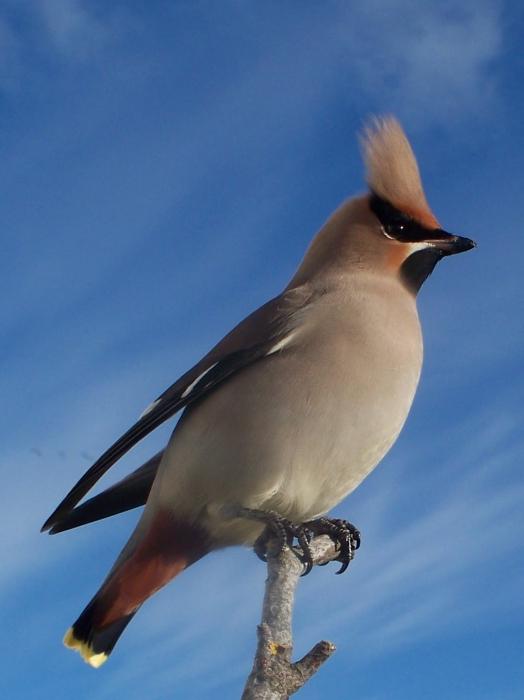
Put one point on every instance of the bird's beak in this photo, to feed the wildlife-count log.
(450, 244)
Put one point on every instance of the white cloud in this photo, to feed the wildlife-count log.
(71, 27)
(435, 60)
(432, 59)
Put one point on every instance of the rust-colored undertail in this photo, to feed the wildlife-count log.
(168, 547)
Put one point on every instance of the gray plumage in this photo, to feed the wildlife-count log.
(292, 409)
(298, 430)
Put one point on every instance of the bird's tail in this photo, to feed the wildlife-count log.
(94, 643)
(166, 549)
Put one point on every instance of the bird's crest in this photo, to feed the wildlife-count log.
(392, 171)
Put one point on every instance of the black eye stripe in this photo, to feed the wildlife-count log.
(395, 223)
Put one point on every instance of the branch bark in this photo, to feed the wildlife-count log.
(274, 676)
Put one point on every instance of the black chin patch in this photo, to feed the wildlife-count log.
(415, 270)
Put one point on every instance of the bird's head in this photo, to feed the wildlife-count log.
(408, 228)
(391, 229)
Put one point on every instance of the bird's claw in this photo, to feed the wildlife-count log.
(286, 533)
(343, 533)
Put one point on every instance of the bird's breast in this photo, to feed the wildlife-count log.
(300, 429)
(359, 372)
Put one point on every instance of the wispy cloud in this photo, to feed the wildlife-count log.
(72, 27)
(408, 56)
(431, 60)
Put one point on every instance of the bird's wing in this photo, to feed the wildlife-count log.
(128, 493)
(262, 333)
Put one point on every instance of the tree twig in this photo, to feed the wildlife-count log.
(274, 676)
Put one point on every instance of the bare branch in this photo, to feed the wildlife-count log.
(274, 676)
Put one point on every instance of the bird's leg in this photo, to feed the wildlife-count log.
(342, 532)
(285, 532)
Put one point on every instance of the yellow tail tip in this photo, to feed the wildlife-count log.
(85, 651)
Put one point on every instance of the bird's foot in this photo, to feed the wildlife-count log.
(345, 535)
(284, 531)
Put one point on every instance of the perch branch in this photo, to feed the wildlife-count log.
(274, 676)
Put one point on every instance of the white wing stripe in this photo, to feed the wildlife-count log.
(193, 384)
(281, 344)
(149, 408)
(278, 346)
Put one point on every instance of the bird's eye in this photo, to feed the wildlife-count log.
(394, 223)
(394, 230)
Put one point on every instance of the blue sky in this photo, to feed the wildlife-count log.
(164, 166)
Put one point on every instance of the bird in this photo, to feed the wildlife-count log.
(289, 412)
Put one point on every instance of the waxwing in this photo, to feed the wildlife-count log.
(290, 411)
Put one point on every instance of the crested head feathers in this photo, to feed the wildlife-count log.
(392, 171)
